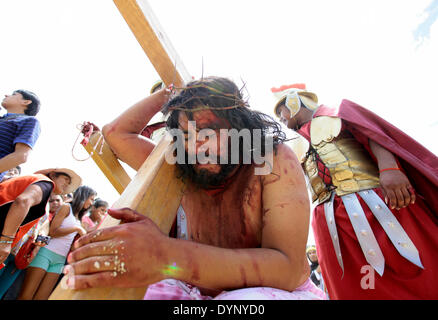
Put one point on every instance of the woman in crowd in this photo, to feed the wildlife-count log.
(45, 269)
(97, 212)
(23, 200)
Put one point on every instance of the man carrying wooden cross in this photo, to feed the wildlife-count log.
(242, 226)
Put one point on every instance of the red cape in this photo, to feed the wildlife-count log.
(420, 165)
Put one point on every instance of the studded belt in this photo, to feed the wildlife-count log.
(365, 235)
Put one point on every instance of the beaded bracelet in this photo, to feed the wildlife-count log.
(380, 171)
(7, 237)
(6, 241)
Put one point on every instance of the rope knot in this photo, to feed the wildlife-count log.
(87, 129)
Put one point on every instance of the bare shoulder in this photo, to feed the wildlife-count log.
(285, 153)
(286, 183)
(284, 162)
(64, 210)
(286, 205)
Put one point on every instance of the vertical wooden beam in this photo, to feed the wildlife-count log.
(155, 192)
(157, 46)
(154, 41)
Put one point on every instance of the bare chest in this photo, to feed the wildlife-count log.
(231, 218)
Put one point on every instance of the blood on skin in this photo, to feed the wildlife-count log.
(277, 177)
(158, 253)
(282, 205)
(243, 276)
(207, 119)
(194, 266)
(112, 128)
(257, 270)
(137, 123)
(290, 159)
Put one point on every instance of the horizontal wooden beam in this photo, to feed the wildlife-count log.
(108, 163)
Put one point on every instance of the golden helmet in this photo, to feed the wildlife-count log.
(292, 96)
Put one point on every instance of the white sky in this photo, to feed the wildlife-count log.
(85, 64)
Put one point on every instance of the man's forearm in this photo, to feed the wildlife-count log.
(219, 268)
(16, 214)
(12, 160)
(123, 134)
(385, 159)
(134, 119)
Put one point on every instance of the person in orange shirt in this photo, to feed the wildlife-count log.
(23, 202)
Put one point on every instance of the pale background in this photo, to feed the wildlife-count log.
(84, 63)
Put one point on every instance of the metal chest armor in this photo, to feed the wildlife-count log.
(352, 173)
(351, 168)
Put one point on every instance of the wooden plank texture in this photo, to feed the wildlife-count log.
(107, 162)
(155, 192)
(154, 41)
(157, 46)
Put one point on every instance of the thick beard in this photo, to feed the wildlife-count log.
(203, 178)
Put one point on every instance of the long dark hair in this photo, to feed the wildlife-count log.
(79, 197)
(225, 100)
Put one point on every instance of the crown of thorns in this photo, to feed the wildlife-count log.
(211, 92)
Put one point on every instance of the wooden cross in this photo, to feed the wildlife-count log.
(154, 191)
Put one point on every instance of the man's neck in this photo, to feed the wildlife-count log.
(309, 116)
(16, 109)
